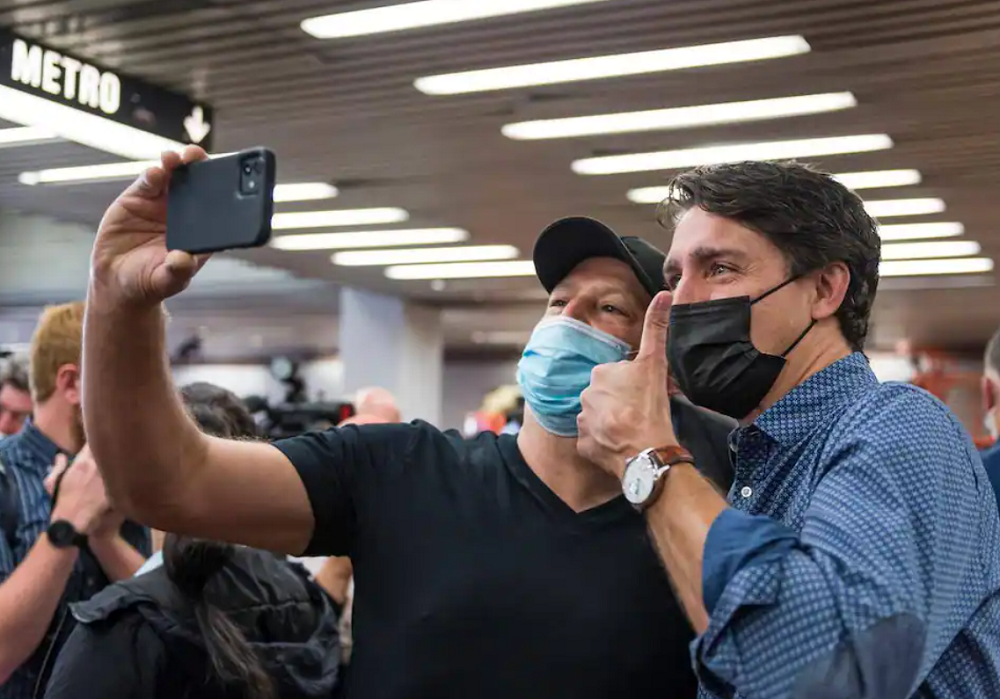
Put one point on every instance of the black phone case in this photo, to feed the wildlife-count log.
(206, 211)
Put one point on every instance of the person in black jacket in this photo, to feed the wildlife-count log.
(215, 620)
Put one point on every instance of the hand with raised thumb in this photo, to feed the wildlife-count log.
(626, 408)
(130, 264)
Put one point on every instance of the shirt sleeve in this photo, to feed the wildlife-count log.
(7, 560)
(341, 468)
(865, 598)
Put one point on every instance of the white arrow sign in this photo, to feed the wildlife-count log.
(196, 126)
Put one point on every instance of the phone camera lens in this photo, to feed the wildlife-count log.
(248, 169)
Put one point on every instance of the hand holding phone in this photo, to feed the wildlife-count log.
(131, 265)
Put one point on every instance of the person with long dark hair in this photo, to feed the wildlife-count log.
(215, 620)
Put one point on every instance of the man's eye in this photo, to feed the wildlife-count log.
(608, 308)
(672, 281)
(718, 269)
(553, 303)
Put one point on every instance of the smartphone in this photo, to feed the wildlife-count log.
(222, 203)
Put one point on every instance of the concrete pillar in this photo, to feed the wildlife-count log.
(387, 342)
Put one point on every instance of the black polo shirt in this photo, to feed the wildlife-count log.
(474, 580)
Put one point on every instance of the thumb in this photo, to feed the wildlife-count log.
(654, 331)
(176, 272)
(58, 466)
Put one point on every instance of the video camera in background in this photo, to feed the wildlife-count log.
(291, 419)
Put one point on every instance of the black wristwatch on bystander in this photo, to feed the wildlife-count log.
(64, 535)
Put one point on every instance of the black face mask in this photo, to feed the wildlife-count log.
(713, 359)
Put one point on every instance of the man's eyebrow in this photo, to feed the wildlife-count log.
(702, 255)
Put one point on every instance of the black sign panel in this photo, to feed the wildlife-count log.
(56, 76)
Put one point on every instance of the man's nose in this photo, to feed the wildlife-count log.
(577, 310)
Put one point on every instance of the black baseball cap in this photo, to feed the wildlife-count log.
(569, 241)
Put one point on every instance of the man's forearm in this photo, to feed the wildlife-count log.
(28, 600)
(679, 522)
(118, 559)
(140, 435)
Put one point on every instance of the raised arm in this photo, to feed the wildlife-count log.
(158, 467)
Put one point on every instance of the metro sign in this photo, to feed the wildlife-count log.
(29, 69)
(65, 77)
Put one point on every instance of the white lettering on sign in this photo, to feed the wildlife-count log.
(51, 72)
(63, 76)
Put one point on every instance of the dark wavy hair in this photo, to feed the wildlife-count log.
(191, 563)
(811, 217)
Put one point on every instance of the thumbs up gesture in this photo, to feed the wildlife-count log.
(626, 408)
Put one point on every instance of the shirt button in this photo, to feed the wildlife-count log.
(746, 491)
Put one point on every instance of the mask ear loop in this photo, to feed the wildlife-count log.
(776, 289)
(799, 339)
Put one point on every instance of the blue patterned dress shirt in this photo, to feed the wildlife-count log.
(28, 457)
(861, 555)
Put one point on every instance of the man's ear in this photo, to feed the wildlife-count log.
(68, 382)
(832, 283)
(990, 393)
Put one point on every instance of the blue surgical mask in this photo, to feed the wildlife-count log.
(555, 369)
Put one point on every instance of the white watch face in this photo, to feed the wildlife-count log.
(638, 481)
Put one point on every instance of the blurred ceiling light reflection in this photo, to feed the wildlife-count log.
(616, 65)
(87, 173)
(679, 117)
(342, 217)
(916, 231)
(876, 179)
(854, 180)
(709, 155)
(938, 249)
(913, 268)
(25, 136)
(304, 191)
(425, 255)
(413, 15)
(369, 239)
(463, 270)
(904, 207)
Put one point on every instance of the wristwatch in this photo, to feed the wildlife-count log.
(646, 473)
(63, 535)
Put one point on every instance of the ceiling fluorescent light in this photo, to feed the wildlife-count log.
(86, 173)
(81, 127)
(413, 15)
(679, 117)
(879, 178)
(904, 207)
(468, 253)
(304, 191)
(463, 270)
(916, 231)
(854, 180)
(597, 67)
(369, 239)
(768, 150)
(343, 217)
(91, 173)
(924, 251)
(913, 268)
(25, 136)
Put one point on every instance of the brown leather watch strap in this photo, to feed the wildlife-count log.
(674, 454)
